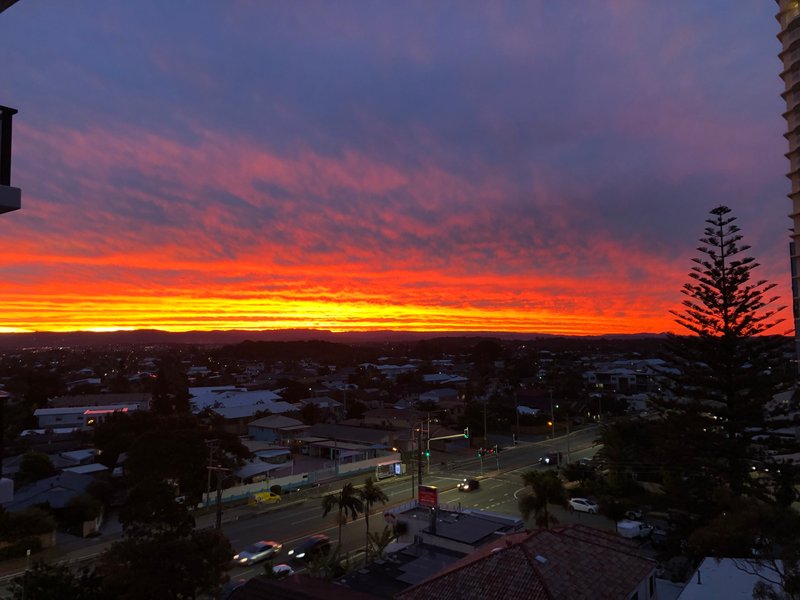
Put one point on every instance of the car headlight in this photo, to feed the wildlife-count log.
(235, 557)
(291, 552)
(301, 555)
(243, 561)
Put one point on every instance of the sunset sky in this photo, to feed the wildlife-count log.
(533, 166)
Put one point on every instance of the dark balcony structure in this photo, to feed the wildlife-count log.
(10, 197)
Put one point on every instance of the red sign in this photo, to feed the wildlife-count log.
(428, 496)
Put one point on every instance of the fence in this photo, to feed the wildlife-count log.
(298, 482)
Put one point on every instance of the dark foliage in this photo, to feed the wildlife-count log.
(57, 582)
(726, 366)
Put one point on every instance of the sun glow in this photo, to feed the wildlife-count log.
(209, 313)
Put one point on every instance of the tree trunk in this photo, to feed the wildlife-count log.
(340, 523)
(366, 518)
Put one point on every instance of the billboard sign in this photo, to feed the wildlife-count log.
(428, 496)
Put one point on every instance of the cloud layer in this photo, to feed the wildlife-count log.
(527, 166)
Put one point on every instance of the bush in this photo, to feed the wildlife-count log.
(80, 509)
(26, 523)
(21, 547)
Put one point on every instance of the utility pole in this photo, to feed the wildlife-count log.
(411, 463)
(485, 428)
(569, 459)
(212, 446)
(219, 469)
(552, 416)
(419, 458)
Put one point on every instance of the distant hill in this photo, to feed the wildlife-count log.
(11, 341)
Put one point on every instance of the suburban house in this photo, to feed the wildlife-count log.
(326, 405)
(393, 418)
(55, 492)
(439, 395)
(345, 443)
(729, 578)
(573, 561)
(277, 429)
(78, 417)
(142, 400)
(444, 379)
(237, 406)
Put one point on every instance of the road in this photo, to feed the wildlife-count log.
(499, 491)
(290, 524)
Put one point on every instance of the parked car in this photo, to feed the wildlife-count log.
(282, 570)
(633, 529)
(257, 552)
(313, 546)
(583, 505)
(551, 458)
(633, 514)
(468, 485)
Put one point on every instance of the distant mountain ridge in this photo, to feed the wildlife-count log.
(43, 339)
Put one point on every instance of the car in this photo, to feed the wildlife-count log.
(551, 458)
(282, 570)
(257, 552)
(266, 498)
(468, 485)
(583, 505)
(314, 546)
(634, 514)
(633, 529)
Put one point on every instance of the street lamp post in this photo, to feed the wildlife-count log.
(552, 416)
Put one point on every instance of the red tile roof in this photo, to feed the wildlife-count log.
(572, 562)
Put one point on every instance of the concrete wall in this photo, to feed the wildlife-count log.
(301, 480)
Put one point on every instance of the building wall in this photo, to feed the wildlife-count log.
(789, 19)
(67, 420)
(263, 434)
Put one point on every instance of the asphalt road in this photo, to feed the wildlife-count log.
(500, 490)
(290, 524)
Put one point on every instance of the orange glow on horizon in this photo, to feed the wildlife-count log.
(208, 314)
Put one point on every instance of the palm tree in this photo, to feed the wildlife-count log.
(348, 502)
(547, 489)
(370, 494)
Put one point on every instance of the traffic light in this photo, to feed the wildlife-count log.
(427, 453)
(496, 449)
(549, 423)
(481, 451)
(466, 432)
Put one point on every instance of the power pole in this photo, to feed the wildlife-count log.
(419, 451)
(212, 446)
(485, 428)
(219, 469)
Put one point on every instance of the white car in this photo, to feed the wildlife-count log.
(583, 505)
(257, 552)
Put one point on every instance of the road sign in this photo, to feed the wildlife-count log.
(428, 496)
